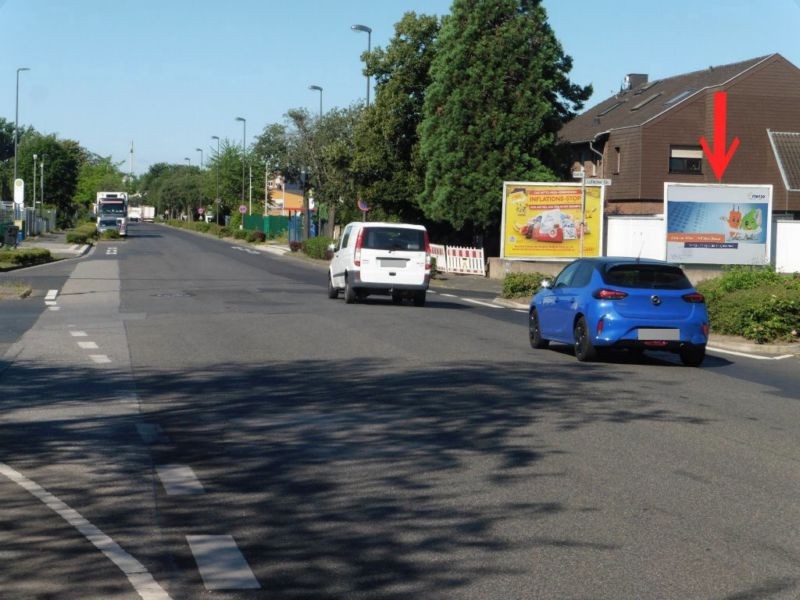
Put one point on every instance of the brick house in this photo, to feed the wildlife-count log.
(649, 133)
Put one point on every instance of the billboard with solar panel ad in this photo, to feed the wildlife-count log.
(718, 224)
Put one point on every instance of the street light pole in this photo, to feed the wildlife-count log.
(16, 121)
(41, 184)
(244, 138)
(188, 160)
(33, 190)
(316, 88)
(200, 150)
(368, 31)
(216, 137)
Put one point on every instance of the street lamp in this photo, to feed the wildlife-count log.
(41, 184)
(244, 137)
(316, 88)
(200, 150)
(33, 190)
(188, 160)
(16, 120)
(216, 137)
(368, 31)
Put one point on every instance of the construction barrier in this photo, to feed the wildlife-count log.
(467, 261)
(438, 253)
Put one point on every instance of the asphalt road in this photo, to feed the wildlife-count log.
(231, 432)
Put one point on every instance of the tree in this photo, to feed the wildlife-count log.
(499, 94)
(386, 163)
(96, 174)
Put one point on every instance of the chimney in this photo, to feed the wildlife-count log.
(634, 80)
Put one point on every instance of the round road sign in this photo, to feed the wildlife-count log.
(201, 210)
(242, 209)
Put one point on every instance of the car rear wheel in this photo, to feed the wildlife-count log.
(584, 350)
(419, 298)
(693, 356)
(349, 292)
(534, 333)
(333, 292)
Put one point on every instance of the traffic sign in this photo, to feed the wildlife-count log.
(19, 191)
(242, 209)
(201, 210)
(596, 181)
(577, 174)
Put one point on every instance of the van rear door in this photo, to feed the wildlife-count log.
(393, 255)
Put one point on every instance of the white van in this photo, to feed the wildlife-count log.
(381, 258)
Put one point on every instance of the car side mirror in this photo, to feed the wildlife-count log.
(332, 247)
(546, 284)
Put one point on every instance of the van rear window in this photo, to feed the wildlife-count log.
(393, 238)
(657, 277)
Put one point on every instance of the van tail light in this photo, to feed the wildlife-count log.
(359, 243)
(694, 298)
(609, 295)
(427, 252)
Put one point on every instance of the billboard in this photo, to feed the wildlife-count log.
(718, 224)
(543, 221)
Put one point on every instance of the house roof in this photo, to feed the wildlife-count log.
(637, 106)
(786, 146)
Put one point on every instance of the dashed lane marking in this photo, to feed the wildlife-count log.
(88, 345)
(139, 577)
(448, 295)
(746, 355)
(478, 302)
(221, 564)
(50, 302)
(54, 308)
(51, 295)
(112, 250)
(179, 480)
(100, 359)
(78, 333)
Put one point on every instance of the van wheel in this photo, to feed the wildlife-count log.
(349, 292)
(397, 298)
(419, 298)
(333, 292)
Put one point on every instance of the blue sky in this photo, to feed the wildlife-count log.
(169, 74)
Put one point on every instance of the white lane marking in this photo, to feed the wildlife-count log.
(481, 303)
(100, 359)
(221, 563)
(140, 578)
(519, 310)
(51, 295)
(53, 308)
(78, 333)
(432, 292)
(449, 295)
(151, 433)
(50, 302)
(88, 345)
(111, 251)
(179, 480)
(746, 355)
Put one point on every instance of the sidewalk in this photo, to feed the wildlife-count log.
(56, 243)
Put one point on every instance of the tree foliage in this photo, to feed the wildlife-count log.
(499, 94)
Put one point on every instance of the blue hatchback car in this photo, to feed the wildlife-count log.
(612, 302)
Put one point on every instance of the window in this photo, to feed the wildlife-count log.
(645, 276)
(686, 159)
(564, 278)
(391, 238)
(345, 238)
(619, 160)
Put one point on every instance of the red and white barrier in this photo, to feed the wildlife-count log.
(438, 252)
(468, 261)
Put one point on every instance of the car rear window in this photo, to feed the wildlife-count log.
(657, 277)
(393, 238)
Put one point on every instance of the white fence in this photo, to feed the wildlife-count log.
(787, 246)
(455, 259)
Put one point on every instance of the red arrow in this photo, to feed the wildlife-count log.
(718, 158)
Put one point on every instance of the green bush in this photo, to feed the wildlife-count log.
(25, 257)
(110, 234)
(763, 314)
(256, 237)
(224, 231)
(518, 285)
(240, 234)
(83, 234)
(317, 247)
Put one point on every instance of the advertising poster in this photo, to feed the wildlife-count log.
(543, 221)
(718, 224)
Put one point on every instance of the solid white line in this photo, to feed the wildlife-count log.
(221, 563)
(481, 303)
(54, 308)
(78, 333)
(448, 295)
(137, 574)
(50, 302)
(745, 355)
(179, 480)
(88, 345)
(519, 310)
(100, 359)
(51, 295)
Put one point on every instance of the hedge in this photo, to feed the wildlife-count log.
(25, 257)
(518, 285)
(317, 247)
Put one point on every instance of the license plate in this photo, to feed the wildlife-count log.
(659, 334)
(393, 263)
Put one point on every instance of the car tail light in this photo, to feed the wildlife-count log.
(609, 295)
(694, 298)
(359, 243)
(427, 252)
(704, 329)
